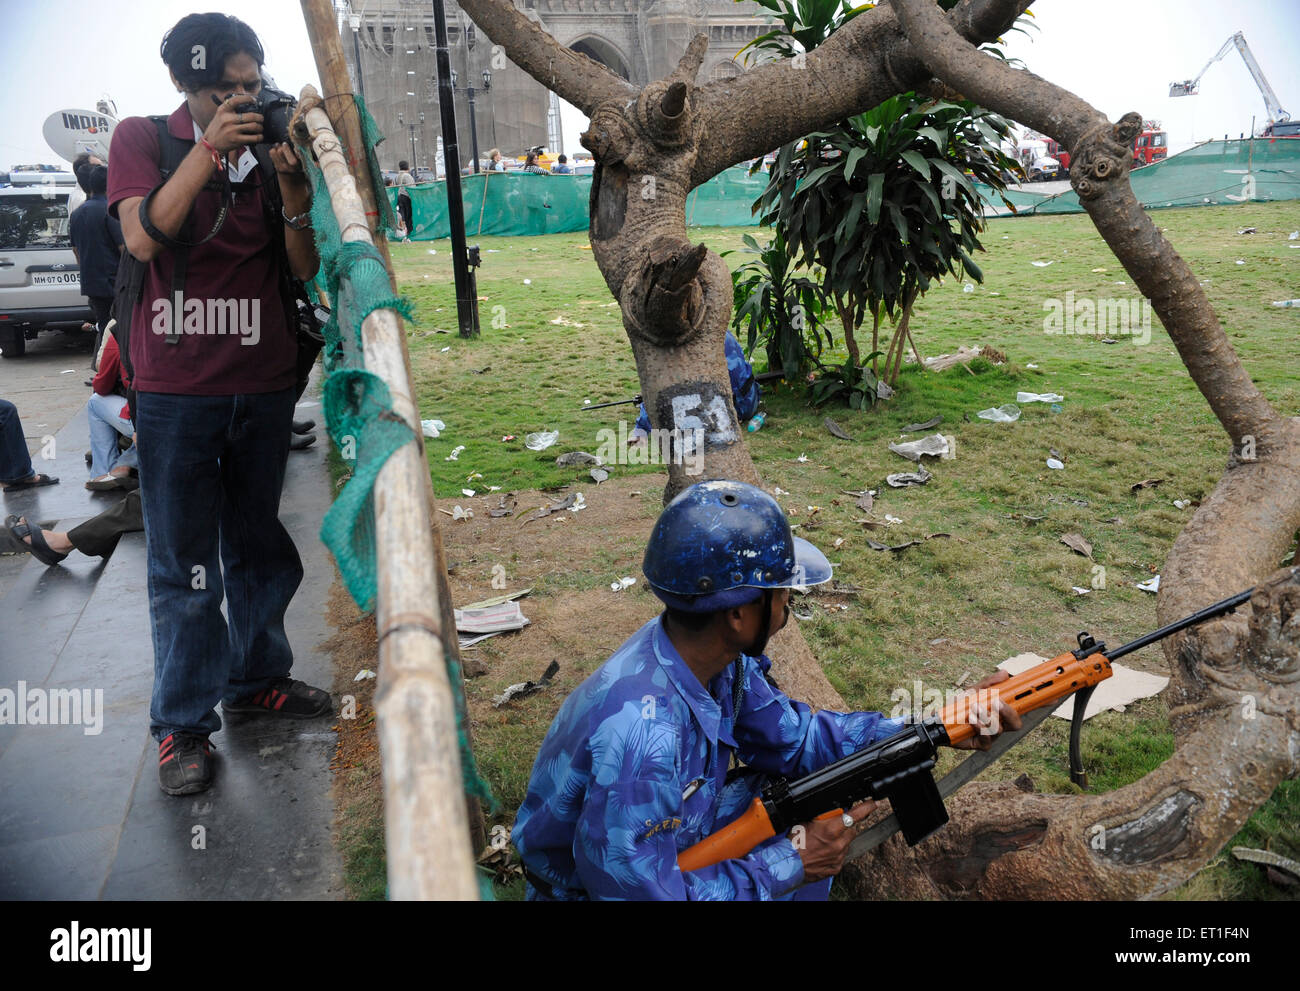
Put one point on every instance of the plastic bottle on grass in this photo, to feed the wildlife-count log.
(756, 424)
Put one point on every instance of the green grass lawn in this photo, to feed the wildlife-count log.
(1001, 583)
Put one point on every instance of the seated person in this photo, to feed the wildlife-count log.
(110, 417)
(16, 471)
(745, 391)
(97, 537)
(634, 769)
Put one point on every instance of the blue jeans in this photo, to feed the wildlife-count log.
(211, 470)
(102, 413)
(15, 462)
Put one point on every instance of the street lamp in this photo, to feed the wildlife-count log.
(473, 122)
(354, 21)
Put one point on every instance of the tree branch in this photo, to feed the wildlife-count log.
(862, 64)
(1101, 155)
(582, 81)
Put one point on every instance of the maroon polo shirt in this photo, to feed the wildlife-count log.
(233, 278)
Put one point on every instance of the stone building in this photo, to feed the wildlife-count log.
(641, 40)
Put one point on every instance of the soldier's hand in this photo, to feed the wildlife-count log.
(990, 714)
(823, 843)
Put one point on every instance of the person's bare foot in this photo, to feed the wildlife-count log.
(56, 539)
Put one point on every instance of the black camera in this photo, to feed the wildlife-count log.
(276, 108)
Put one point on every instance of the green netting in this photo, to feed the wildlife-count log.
(358, 406)
(1213, 173)
(522, 203)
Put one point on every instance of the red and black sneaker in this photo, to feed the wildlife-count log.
(286, 697)
(184, 764)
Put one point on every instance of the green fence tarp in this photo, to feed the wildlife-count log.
(519, 203)
(1210, 174)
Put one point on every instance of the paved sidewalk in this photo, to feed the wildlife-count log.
(82, 816)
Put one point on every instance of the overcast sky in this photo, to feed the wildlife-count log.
(1119, 55)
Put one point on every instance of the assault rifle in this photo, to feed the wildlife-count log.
(900, 768)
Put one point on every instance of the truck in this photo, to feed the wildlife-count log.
(1151, 145)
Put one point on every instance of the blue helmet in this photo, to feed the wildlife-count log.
(720, 543)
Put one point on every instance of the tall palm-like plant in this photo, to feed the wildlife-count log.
(886, 204)
(874, 201)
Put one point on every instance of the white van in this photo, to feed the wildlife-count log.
(40, 281)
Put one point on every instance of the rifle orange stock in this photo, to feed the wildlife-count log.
(899, 768)
(1039, 686)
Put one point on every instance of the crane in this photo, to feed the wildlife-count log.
(1191, 87)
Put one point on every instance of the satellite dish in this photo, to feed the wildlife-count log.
(70, 132)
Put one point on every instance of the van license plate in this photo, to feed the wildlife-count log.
(56, 278)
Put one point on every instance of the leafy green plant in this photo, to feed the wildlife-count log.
(886, 204)
(855, 384)
(777, 308)
(873, 201)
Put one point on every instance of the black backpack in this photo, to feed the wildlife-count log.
(300, 312)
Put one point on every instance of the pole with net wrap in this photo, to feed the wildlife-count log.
(428, 845)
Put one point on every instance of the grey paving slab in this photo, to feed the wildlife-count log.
(69, 499)
(82, 815)
(70, 867)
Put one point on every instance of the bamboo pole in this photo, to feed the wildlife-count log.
(346, 121)
(429, 853)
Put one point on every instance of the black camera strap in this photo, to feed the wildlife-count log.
(171, 152)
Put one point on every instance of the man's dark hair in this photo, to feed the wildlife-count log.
(79, 165)
(693, 621)
(562, 159)
(403, 166)
(216, 37)
(96, 179)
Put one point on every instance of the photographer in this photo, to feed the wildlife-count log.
(213, 355)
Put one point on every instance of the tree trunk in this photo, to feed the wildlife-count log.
(1234, 693)
(1235, 690)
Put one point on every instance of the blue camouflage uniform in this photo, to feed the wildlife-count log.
(634, 767)
(745, 391)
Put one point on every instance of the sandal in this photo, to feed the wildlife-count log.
(38, 548)
(31, 483)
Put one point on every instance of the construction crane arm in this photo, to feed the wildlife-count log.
(1190, 87)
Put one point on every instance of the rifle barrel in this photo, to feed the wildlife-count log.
(1209, 612)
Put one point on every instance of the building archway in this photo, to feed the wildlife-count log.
(605, 52)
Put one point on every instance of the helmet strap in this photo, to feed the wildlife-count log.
(760, 642)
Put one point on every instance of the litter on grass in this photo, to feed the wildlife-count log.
(1008, 413)
(1077, 544)
(1041, 264)
(525, 688)
(1054, 463)
(621, 584)
(936, 446)
(1038, 397)
(432, 428)
(455, 454)
(835, 429)
(577, 458)
(364, 674)
(912, 428)
(903, 479)
(541, 440)
(1286, 302)
(1150, 585)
